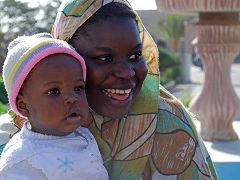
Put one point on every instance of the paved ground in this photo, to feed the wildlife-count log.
(225, 155)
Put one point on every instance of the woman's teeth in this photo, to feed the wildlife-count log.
(117, 93)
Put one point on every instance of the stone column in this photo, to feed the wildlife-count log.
(217, 104)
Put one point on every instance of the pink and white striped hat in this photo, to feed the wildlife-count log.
(24, 53)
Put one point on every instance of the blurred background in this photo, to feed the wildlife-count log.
(181, 67)
(25, 17)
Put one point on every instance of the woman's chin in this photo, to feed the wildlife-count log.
(113, 113)
(112, 106)
(116, 115)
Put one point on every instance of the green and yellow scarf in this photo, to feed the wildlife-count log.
(72, 15)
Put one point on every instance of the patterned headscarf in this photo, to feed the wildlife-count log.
(73, 14)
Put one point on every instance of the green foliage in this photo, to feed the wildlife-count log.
(18, 18)
(169, 66)
(186, 99)
(3, 93)
(3, 108)
(172, 27)
(49, 13)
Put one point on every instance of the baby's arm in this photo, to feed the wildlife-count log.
(22, 170)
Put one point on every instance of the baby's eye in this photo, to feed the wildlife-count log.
(79, 88)
(53, 92)
(136, 56)
(107, 59)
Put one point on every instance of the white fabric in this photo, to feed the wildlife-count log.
(7, 128)
(30, 155)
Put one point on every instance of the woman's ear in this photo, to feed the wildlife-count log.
(22, 105)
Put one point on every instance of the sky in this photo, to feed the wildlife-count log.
(136, 4)
(143, 4)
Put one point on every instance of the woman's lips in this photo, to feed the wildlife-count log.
(118, 94)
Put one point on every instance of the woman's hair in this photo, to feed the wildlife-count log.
(109, 11)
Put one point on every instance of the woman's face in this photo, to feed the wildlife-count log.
(116, 68)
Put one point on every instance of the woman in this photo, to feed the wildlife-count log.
(140, 135)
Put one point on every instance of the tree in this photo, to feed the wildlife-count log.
(49, 13)
(18, 18)
(173, 28)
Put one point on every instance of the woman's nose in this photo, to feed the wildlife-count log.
(124, 70)
(70, 98)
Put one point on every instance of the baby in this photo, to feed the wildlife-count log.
(45, 82)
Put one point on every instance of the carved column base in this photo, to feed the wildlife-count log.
(216, 135)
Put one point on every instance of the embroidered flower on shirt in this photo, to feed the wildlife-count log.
(65, 164)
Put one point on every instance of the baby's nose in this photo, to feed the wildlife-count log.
(70, 98)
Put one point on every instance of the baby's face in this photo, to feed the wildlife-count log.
(53, 96)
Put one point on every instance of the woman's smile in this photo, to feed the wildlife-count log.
(118, 94)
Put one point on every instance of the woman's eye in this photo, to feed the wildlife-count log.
(107, 59)
(79, 88)
(53, 92)
(136, 56)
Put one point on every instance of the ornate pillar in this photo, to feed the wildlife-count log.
(217, 105)
(218, 32)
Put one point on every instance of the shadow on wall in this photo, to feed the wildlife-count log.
(237, 60)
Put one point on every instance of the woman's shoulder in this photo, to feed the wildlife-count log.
(174, 114)
(166, 95)
(176, 130)
(169, 102)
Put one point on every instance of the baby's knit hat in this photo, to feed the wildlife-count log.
(24, 53)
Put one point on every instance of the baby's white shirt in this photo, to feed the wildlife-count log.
(30, 155)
